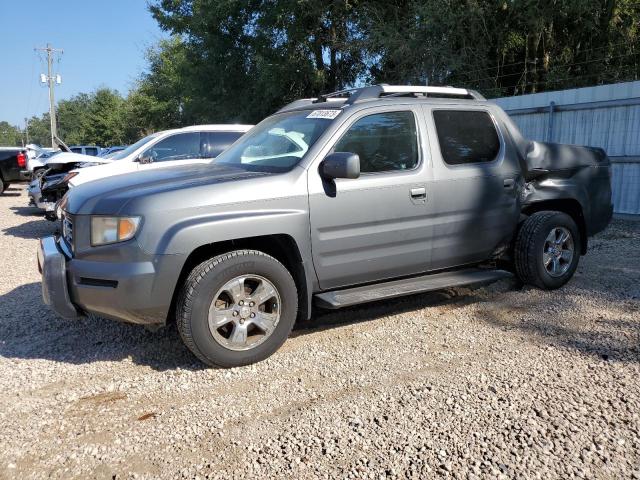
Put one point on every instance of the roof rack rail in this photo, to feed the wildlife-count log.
(356, 95)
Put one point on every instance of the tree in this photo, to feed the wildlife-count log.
(505, 47)
(40, 130)
(243, 60)
(10, 135)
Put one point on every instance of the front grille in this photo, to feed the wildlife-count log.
(67, 230)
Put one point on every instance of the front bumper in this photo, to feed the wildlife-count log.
(137, 291)
(52, 265)
(35, 199)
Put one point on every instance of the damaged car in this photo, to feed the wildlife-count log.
(353, 197)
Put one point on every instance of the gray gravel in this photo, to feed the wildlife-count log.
(493, 382)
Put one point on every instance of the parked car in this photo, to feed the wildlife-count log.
(91, 150)
(399, 190)
(49, 184)
(183, 146)
(37, 165)
(197, 144)
(13, 163)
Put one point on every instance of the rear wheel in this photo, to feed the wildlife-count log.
(237, 308)
(547, 249)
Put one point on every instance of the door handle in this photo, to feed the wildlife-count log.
(418, 193)
(509, 183)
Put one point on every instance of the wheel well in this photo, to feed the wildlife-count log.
(569, 206)
(282, 247)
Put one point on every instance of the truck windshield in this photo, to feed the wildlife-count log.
(278, 143)
(132, 148)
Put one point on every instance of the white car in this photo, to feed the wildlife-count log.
(196, 144)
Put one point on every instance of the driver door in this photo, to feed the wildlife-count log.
(377, 226)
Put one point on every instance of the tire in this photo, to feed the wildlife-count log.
(208, 283)
(541, 255)
(3, 186)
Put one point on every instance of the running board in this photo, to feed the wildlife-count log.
(408, 286)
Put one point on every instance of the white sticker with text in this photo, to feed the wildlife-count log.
(328, 114)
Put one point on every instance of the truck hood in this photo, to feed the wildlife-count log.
(177, 185)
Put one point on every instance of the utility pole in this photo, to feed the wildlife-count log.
(26, 130)
(51, 80)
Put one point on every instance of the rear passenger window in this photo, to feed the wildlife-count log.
(466, 137)
(214, 143)
(384, 141)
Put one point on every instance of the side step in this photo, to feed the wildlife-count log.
(408, 286)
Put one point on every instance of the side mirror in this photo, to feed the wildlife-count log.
(340, 165)
(144, 159)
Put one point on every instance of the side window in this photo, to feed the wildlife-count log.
(76, 149)
(182, 146)
(384, 141)
(466, 136)
(214, 143)
(91, 151)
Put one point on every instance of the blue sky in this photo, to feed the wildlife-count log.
(104, 42)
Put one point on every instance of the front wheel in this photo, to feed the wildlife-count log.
(237, 308)
(547, 249)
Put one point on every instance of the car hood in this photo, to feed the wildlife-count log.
(70, 157)
(164, 186)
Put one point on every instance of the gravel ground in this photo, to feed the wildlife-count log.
(492, 382)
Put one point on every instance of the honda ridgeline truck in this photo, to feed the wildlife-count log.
(356, 196)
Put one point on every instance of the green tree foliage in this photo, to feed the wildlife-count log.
(506, 47)
(10, 135)
(244, 59)
(102, 117)
(238, 61)
(39, 130)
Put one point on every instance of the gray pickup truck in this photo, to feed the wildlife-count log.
(352, 197)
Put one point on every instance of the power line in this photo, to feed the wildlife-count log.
(566, 65)
(536, 59)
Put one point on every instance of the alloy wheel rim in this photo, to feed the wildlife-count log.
(558, 251)
(244, 312)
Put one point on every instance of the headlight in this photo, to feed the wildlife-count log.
(105, 230)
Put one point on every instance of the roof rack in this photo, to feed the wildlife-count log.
(356, 95)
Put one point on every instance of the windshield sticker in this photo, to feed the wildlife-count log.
(328, 114)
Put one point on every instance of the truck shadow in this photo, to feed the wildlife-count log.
(32, 230)
(27, 211)
(29, 330)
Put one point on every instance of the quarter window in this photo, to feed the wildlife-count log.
(383, 141)
(466, 136)
(182, 146)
